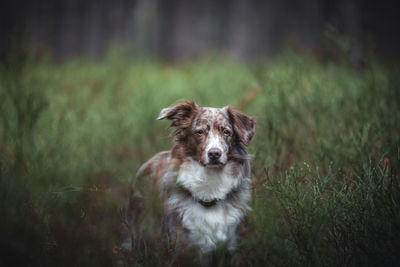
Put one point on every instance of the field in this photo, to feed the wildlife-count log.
(325, 170)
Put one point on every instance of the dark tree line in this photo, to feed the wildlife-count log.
(176, 29)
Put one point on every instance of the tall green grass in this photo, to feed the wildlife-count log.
(325, 170)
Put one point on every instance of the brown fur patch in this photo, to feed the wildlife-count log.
(160, 169)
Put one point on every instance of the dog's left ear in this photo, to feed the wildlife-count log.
(244, 126)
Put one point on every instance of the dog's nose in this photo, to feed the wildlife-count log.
(214, 153)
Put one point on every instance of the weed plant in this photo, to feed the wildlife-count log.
(325, 169)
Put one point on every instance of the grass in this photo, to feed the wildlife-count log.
(325, 170)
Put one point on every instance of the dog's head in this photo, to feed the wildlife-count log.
(209, 135)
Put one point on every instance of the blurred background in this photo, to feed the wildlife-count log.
(81, 83)
(178, 29)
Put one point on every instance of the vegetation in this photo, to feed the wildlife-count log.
(325, 168)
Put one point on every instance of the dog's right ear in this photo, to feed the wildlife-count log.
(180, 114)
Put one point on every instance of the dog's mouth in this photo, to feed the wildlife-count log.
(218, 163)
(214, 164)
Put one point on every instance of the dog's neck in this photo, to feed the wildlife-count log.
(207, 184)
(204, 203)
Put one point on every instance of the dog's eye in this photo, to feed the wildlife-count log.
(227, 132)
(199, 132)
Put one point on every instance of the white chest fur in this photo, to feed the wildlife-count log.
(209, 226)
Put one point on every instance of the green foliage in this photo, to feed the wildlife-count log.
(325, 167)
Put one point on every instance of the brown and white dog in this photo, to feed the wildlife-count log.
(204, 180)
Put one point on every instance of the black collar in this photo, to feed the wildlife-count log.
(204, 203)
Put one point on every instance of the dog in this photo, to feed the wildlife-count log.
(204, 180)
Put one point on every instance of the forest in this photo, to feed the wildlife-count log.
(77, 121)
